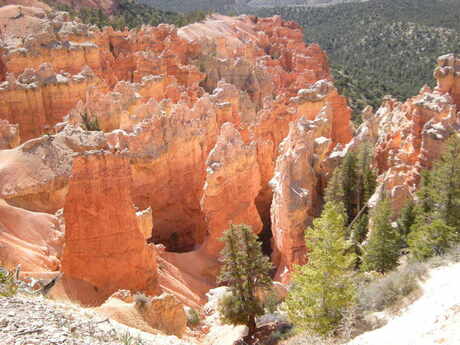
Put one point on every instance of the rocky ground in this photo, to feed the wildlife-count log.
(433, 319)
(36, 320)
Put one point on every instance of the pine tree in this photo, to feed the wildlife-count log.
(358, 235)
(349, 181)
(405, 222)
(424, 206)
(432, 239)
(244, 270)
(353, 182)
(437, 209)
(445, 180)
(334, 191)
(381, 252)
(367, 178)
(323, 289)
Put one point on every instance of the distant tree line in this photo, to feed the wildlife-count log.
(380, 47)
(131, 14)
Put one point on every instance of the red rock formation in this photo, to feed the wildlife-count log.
(35, 175)
(232, 185)
(28, 3)
(168, 154)
(162, 96)
(104, 245)
(448, 78)
(33, 240)
(163, 313)
(409, 136)
(9, 135)
(37, 100)
(297, 185)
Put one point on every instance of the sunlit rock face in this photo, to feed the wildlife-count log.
(35, 175)
(409, 136)
(32, 240)
(9, 135)
(301, 172)
(156, 140)
(104, 244)
(231, 187)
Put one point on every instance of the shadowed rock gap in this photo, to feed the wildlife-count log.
(263, 203)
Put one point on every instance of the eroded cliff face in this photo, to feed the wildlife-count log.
(409, 136)
(32, 240)
(35, 175)
(9, 135)
(104, 244)
(199, 115)
(232, 120)
(231, 187)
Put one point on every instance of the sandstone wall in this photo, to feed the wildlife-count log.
(104, 244)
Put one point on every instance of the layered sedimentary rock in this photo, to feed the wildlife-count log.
(231, 187)
(158, 314)
(37, 100)
(447, 73)
(299, 179)
(9, 135)
(35, 175)
(199, 114)
(168, 154)
(39, 43)
(409, 136)
(33, 240)
(104, 245)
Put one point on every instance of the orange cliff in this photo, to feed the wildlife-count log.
(32, 240)
(104, 245)
(409, 136)
(48, 62)
(191, 123)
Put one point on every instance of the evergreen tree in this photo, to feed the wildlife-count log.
(358, 235)
(432, 239)
(349, 182)
(244, 270)
(381, 252)
(353, 182)
(445, 180)
(437, 210)
(323, 289)
(405, 222)
(425, 204)
(367, 178)
(334, 191)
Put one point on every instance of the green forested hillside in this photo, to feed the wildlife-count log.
(381, 46)
(131, 14)
(222, 6)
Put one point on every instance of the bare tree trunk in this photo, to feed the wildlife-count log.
(252, 325)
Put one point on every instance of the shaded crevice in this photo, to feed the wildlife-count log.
(263, 204)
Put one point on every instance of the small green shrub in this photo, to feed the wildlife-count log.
(140, 301)
(8, 283)
(452, 255)
(271, 302)
(391, 288)
(90, 124)
(126, 338)
(193, 317)
(428, 240)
